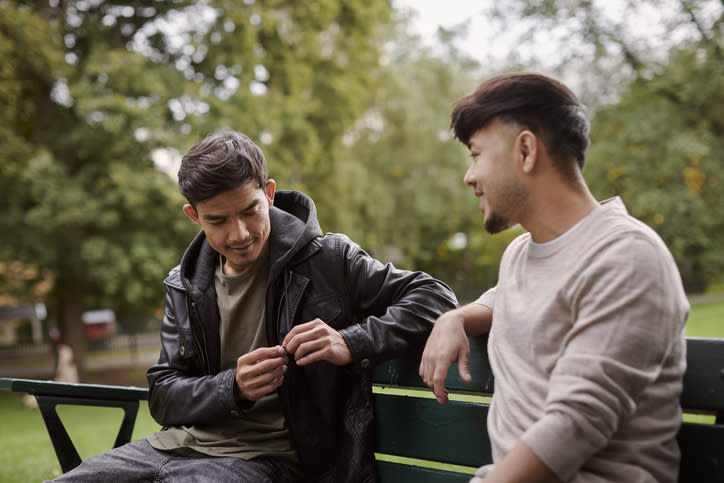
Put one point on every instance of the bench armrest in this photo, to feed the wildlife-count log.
(50, 393)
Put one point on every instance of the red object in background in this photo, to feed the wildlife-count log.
(99, 324)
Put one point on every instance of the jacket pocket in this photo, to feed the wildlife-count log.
(186, 345)
(327, 308)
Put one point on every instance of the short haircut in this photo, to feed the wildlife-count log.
(221, 162)
(541, 104)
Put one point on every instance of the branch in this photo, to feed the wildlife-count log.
(687, 8)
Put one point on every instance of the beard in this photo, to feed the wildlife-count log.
(496, 224)
(513, 199)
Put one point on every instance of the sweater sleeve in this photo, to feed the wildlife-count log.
(487, 299)
(629, 310)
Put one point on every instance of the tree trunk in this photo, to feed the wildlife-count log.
(70, 311)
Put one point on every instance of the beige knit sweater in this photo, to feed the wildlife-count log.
(588, 351)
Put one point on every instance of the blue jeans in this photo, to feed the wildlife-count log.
(140, 462)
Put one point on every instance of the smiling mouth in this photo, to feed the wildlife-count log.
(241, 248)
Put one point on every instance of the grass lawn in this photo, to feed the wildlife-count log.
(706, 320)
(26, 453)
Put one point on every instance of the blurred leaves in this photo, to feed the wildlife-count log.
(660, 149)
(348, 106)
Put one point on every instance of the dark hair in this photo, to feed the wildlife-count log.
(543, 105)
(221, 162)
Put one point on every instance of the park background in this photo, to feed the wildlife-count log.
(350, 102)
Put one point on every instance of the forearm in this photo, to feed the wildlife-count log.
(477, 319)
(520, 465)
(398, 307)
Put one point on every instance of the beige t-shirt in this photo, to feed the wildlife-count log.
(261, 430)
(588, 351)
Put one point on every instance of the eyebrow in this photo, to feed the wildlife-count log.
(212, 217)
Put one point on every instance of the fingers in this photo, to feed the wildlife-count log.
(316, 341)
(438, 383)
(447, 344)
(260, 372)
(464, 366)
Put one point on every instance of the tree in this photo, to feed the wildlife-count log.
(600, 46)
(652, 74)
(91, 88)
(660, 150)
(294, 76)
(84, 200)
(400, 191)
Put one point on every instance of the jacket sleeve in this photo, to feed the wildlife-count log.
(397, 308)
(180, 392)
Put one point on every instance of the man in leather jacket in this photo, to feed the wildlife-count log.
(270, 333)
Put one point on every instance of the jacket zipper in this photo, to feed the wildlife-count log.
(201, 349)
(287, 282)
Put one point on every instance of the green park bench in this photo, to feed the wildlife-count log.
(420, 440)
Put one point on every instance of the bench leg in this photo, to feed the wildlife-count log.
(65, 450)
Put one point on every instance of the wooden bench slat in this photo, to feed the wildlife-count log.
(64, 389)
(421, 428)
(702, 452)
(405, 372)
(704, 378)
(401, 473)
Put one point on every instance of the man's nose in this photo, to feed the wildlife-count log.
(240, 231)
(468, 178)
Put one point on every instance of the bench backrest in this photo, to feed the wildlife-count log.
(421, 440)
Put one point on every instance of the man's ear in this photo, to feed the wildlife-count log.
(191, 213)
(270, 189)
(528, 148)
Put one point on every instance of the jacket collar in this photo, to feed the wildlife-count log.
(293, 225)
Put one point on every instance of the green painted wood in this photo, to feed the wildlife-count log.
(400, 473)
(455, 432)
(85, 391)
(6, 384)
(704, 378)
(424, 429)
(405, 372)
(702, 453)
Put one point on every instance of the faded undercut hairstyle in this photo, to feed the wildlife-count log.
(221, 162)
(533, 101)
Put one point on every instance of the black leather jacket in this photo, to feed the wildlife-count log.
(379, 310)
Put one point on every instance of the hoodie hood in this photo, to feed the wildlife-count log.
(294, 225)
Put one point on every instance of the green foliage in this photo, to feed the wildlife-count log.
(660, 150)
(84, 199)
(600, 46)
(90, 89)
(658, 125)
(347, 106)
(400, 191)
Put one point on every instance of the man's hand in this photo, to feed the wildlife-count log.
(260, 372)
(316, 341)
(447, 343)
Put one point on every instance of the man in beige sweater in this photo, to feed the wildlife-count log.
(587, 319)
